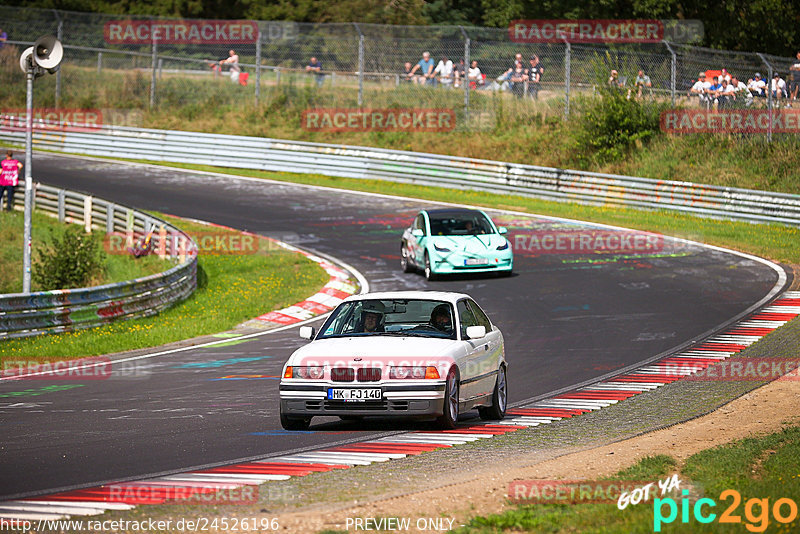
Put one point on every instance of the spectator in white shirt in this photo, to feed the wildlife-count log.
(726, 94)
(777, 87)
(444, 71)
(700, 89)
(741, 94)
(474, 73)
(757, 86)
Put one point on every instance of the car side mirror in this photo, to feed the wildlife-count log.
(306, 332)
(416, 232)
(502, 230)
(476, 332)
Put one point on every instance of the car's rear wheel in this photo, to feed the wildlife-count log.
(405, 263)
(429, 274)
(449, 416)
(499, 399)
(295, 423)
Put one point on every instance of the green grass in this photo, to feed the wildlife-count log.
(117, 267)
(234, 288)
(758, 468)
(774, 241)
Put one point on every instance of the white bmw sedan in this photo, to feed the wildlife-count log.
(402, 353)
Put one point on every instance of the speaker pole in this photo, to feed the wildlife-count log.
(26, 257)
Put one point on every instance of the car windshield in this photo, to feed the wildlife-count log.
(460, 223)
(391, 317)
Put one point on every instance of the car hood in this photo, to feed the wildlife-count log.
(473, 244)
(381, 350)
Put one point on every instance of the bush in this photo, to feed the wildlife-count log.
(612, 124)
(71, 260)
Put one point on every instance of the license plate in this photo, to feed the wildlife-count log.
(354, 395)
(476, 261)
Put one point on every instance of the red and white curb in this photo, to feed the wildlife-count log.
(193, 485)
(339, 287)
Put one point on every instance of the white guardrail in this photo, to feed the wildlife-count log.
(64, 310)
(419, 168)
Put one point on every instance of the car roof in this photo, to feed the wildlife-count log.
(452, 211)
(446, 296)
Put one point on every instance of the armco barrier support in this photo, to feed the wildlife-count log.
(424, 169)
(48, 312)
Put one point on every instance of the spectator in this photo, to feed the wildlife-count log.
(642, 81)
(3, 38)
(425, 67)
(535, 72)
(700, 89)
(445, 72)
(506, 76)
(517, 80)
(713, 91)
(741, 95)
(757, 86)
(407, 74)
(459, 72)
(474, 75)
(724, 75)
(794, 76)
(9, 178)
(233, 61)
(315, 66)
(725, 94)
(777, 87)
(613, 80)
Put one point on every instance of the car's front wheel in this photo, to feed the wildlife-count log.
(295, 423)
(499, 399)
(449, 416)
(429, 274)
(405, 262)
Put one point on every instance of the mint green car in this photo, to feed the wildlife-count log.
(455, 240)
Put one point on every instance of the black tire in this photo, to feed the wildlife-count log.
(429, 274)
(295, 423)
(405, 262)
(499, 399)
(449, 416)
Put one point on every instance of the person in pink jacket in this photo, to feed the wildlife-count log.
(9, 178)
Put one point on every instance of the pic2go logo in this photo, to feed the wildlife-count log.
(756, 511)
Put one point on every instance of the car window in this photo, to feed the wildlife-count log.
(481, 317)
(460, 223)
(466, 316)
(391, 317)
(419, 223)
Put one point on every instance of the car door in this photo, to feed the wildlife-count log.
(488, 360)
(471, 367)
(417, 242)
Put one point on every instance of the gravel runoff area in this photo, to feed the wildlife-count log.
(678, 419)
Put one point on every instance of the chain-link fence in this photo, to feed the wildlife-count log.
(131, 65)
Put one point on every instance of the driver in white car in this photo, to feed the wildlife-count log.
(440, 318)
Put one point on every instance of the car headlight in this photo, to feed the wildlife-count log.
(504, 246)
(414, 372)
(309, 372)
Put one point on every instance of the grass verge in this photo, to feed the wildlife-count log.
(116, 267)
(773, 241)
(761, 470)
(231, 289)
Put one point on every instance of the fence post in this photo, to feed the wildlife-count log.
(61, 205)
(258, 68)
(154, 67)
(99, 62)
(87, 214)
(769, 94)
(360, 66)
(465, 81)
(110, 218)
(672, 71)
(567, 60)
(59, 36)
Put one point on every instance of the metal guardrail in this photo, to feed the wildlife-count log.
(424, 169)
(48, 312)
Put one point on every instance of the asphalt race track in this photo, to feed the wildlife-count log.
(566, 317)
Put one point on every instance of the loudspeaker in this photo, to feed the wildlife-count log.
(23, 59)
(48, 52)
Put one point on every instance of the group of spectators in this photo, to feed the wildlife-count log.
(641, 83)
(448, 74)
(726, 90)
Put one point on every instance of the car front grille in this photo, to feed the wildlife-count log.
(342, 374)
(369, 374)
